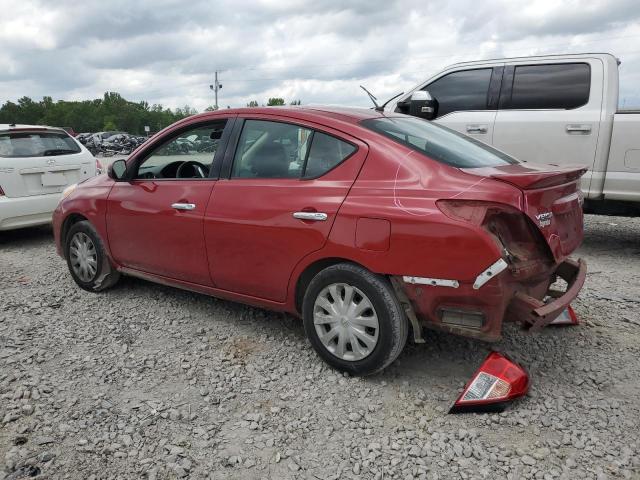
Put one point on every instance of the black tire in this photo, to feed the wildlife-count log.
(105, 275)
(392, 321)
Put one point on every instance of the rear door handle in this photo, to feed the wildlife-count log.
(476, 129)
(573, 128)
(183, 206)
(313, 216)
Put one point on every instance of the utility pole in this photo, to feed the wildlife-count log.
(215, 87)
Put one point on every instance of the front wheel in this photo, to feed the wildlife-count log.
(353, 319)
(86, 258)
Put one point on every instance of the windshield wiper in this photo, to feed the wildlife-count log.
(49, 153)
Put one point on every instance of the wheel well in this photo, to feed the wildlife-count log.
(70, 221)
(311, 271)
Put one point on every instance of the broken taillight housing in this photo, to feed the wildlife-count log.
(497, 381)
(514, 232)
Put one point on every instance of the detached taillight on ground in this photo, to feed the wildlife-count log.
(496, 382)
(567, 317)
(98, 167)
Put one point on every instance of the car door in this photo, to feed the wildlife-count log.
(550, 113)
(285, 181)
(155, 220)
(467, 100)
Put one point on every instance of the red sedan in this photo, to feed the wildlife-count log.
(366, 225)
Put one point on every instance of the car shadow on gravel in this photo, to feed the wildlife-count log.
(27, 237)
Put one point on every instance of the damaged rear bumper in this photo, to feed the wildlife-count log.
(536, 314)
(463, 309)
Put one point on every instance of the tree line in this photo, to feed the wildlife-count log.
(112, 112)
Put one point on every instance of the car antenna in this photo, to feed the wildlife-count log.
(379, 108)
(372, 97)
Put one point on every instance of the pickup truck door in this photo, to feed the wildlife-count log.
(550, 112)
(467, 100)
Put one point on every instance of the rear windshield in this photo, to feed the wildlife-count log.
(438, 142)
(36, 144)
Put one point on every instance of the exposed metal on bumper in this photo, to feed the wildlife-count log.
(489, 273)
(535, 313)
(436, 282)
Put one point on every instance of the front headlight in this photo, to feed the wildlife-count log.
(67, 191)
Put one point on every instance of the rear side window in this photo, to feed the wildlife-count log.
(326, 152)
(284, 150)
(438, 142)
(554, 86)
(36, 144)
(459, 91)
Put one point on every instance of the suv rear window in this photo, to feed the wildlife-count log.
(36, 144)
(439, 143)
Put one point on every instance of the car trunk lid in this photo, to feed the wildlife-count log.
(551, 199)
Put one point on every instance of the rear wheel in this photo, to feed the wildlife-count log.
(353, 319)
(86, 259)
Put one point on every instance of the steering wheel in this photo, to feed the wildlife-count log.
(198, 170)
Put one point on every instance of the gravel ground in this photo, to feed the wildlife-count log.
(145, 381)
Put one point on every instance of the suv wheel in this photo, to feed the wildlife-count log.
(86, 259)
(353, 319)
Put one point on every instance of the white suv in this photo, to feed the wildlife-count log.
(36, 165)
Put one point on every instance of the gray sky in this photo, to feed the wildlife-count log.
(165, 51)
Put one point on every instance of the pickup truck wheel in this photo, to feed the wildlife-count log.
(353, 319)
(86, 259)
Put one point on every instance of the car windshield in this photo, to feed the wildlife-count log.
(36, 144)
(438, 142)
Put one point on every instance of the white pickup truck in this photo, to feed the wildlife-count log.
(559, 109)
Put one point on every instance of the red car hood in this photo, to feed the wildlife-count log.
(551, 199)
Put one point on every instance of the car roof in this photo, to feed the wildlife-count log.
(10, 127)
(351, 115)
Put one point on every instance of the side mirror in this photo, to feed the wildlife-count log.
(423, 105)
(118, 170)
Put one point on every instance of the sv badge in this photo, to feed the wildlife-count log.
(544, 219)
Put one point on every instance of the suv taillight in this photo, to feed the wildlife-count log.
(512, 229)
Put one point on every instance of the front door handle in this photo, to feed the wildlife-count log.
(577, 128)
(183, 206)
(313, 216)
(476, 129)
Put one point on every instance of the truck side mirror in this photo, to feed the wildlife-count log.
(423, 105)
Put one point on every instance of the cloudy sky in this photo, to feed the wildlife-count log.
(165, 51)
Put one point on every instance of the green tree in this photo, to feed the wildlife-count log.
(296, 102)
(112, 111)
(272, 102)
(252, 103)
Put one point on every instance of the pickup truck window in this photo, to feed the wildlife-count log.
(463, 90)
(438, 142)
(557, 86)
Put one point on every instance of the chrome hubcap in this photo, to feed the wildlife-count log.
(346, 322)
(84, 258)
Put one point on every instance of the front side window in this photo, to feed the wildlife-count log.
(438, 142)
(554, 86)
(36, 144)
(460, 91)
(187, 155)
